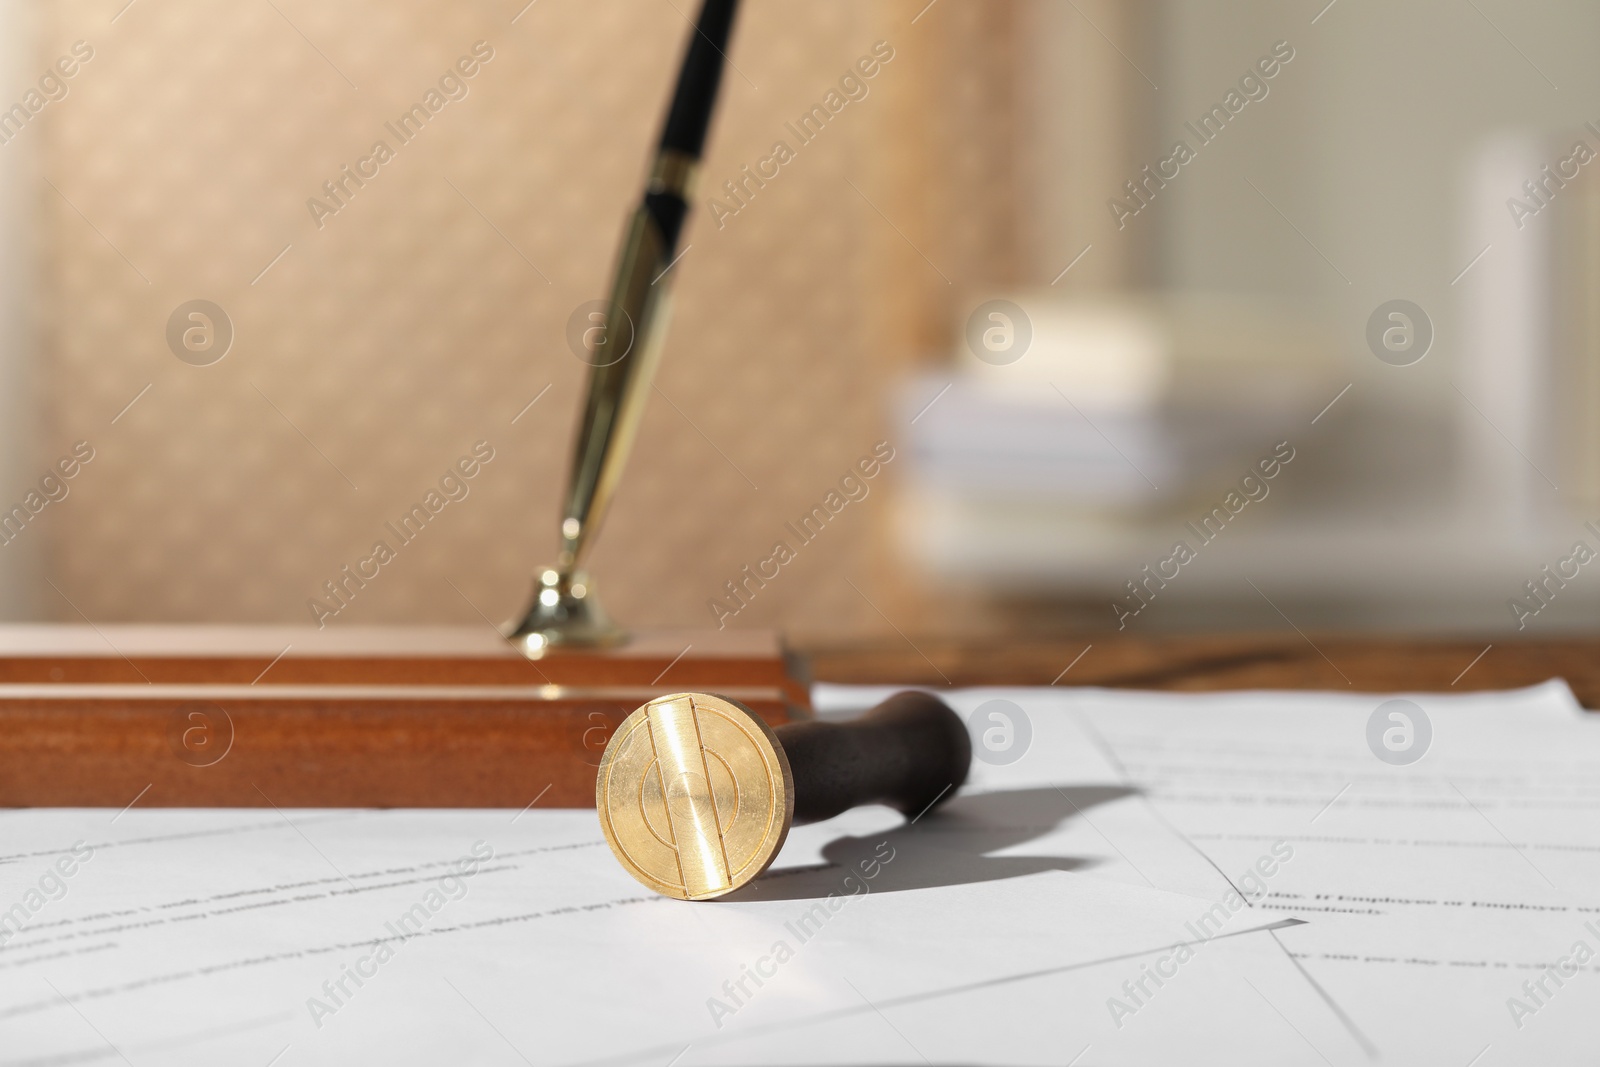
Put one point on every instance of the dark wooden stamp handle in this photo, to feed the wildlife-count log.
(907, 752)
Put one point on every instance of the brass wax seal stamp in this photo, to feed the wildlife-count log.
(696, 793)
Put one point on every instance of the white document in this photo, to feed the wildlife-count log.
(1432, 891)
(1202, 879)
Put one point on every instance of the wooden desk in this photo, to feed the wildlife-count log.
(212, 716)
(1209, 663)
(251, 716)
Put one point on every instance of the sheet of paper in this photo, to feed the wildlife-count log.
(1217, 879)
(205, 937)
(1433, 890)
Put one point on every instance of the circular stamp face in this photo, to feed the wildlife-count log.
(694, 795)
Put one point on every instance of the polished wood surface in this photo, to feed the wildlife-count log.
(376, 717)
(380, 655)
(408, 717)
(1208, 663)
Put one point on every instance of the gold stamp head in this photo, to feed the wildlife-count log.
(695, 795)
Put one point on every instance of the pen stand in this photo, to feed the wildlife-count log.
(565, 614)
(258, 716)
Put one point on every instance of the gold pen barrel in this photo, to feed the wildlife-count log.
(624, 349)
(635, 320)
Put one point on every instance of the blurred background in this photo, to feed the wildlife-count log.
(1086, 270)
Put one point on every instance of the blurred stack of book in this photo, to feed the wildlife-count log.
(1110, 415)
(1437, 494)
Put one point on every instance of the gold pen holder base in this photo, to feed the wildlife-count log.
(565, 614)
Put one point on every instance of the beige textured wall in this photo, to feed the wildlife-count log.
(409, 326)
(429, 311)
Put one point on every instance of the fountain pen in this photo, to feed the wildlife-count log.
(624, 346)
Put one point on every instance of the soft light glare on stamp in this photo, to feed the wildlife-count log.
(694, 795)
